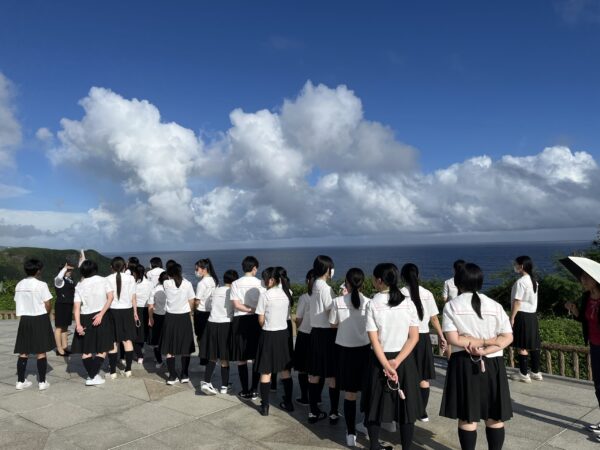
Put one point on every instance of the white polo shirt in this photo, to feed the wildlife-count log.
(154, 274)
(351, 322)
(91, 293)
(30, 295)
(128, 287)
(303, 312)
(429, 307)
(204, 290)
(391, 323)
(143, 292)
(159, 300)
(321, 302)
(459, 316)
(220, 306)
(246, 290)
(523, 290)
(177, 298)
(450, 290)
(274, 305)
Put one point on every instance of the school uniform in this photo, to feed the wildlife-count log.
(143, 292)
(526, 332)
(302, 348)
(378, 401)
(470, 393)
(352, 342)
(245, 330)
(63, 307)
(34, 334)
(177, 333)
(204, 290)
(273, 353)
(91, 294)
(323, 356)
(154, 274)
(121, 308)
(449, 290)
(158, 299)
(423, 351)
(217, 342)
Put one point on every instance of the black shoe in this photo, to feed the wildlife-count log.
(314, 418)
(245, 395)
(303, 402)
(264, 410)
(64, 355)
(334, 417)
(289, 407)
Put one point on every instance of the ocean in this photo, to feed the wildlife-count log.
(434, 261)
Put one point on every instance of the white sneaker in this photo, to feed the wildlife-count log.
(351, 440)
(224, 389)
(520, 377)
(536, 376)
(159, 365)
(184, 380)
(111, 376)
(97, 380)
(122, 361)
(389, 426)
(360, 427)
(23, 385)
(43, 385)
(208, 388)
(127, 374)
(140, 361)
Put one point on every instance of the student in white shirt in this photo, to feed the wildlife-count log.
(178, 334)
(245, 329)
(273, 354)
(143, 292)
(428, 311)
(34, 336)
(94, 333)
(450, 291)
(209, 280)
(476, 386)
(63, 307)
(156, 268)
(123, 309)
(156, 317)
(349, 315)
(392, 387)
(323, 360)
(217, 345)
(302, 348)
(524, 320)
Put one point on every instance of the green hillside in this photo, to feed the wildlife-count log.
(11, 261)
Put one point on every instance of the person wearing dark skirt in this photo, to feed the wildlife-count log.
(428, 311)
(177, 337)
(207, 284)
(121, 289)
(156, 317)
(63, 307)
(349, 315)
(273, 353)
(217, 345)
(94, 334)
(34, 335)
(391, 391)
(143, 292)
(476, 386)
(524, 320)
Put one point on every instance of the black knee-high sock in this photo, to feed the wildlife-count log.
(171, 368)
(313, 397)
(21, 367)
(303, 382)
(425, 398)
(157, 355)
(208, 372)
(495, 438)
(243, 373)
(224, 376)
(185, 366)
(255, 380)
(112, 362)
(288, 387)
(138, 347)
(321, 384)
(523, 364)
(88, 363)
(334, 400)
(98, 361)
(274, 381)
(407, 430)
(42, 367)
(535, 361)
(350, 415)
(121, 351)
(467, 439)
(128, 360)
(373, 431)
(264, 393)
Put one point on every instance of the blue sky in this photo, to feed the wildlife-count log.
(455, 80)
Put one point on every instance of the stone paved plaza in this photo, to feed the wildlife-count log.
(143, 412)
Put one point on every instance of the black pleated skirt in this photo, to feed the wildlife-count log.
(123, 324)
(526, 331)
(323, 357)
(352, 367)
(63, 315)
(423, 353)
(177, 335)
(156, 329)
(34, 335)
(200, 325)
(472, 395)
(245, 332)
(301, 353)
(142, 333)
(381, 403)
(98, 339)
(273, 354)
(216, 343)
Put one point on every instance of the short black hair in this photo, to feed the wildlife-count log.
(249, 263)
(458, 264)
(156, 262)
(32, 266)
(230, 276)
(88, 268)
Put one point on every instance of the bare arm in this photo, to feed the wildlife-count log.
(48, 306)
(239, 306)
(435, 321)
(516, 307)
(378, 350)
(407, 348)
(261, 320)
(77, 314)
(98, 317)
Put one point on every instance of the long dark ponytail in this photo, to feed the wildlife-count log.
(410, 275)
(206, 264)
(388, 274)
(527, 263)
(282, 276)
(355, 278)
(470, 279)
(321, 265)
(175, 274)
(117, 264)
(139, 272)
